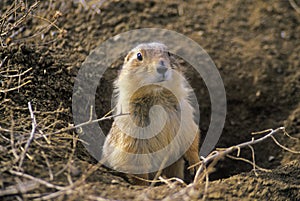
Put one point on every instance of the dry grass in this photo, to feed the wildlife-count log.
(14, 20)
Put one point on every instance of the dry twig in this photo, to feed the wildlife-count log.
(90, 121)
(248, 161)
(283, 147)
(43, 182)
(204, 171)
(220, 154)
(22, 187)
(19, 21)
(15, 88)
(33, 125)
(48, 165)
(3, 61)
(295, 6)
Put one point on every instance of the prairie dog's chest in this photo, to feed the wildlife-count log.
(153, 105)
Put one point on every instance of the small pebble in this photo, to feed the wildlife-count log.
(283, 34)
(271, 158)
(114, 181)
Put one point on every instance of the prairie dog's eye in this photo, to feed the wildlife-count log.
(139, 56)
(169, 54)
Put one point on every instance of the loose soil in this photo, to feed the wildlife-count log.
(254, 44)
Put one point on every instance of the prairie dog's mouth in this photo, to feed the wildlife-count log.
(164, 77)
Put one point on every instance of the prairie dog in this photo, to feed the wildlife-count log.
(151, 88)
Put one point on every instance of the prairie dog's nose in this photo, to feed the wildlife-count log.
(162, 63)
(161, 69)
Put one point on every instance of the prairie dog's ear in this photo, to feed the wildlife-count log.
(128, 56)
(174, 62)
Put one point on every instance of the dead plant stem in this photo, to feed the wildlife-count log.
(31, 137)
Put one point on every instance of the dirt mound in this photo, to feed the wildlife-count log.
(255, 46)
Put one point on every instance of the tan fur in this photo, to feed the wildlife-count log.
(139, 88)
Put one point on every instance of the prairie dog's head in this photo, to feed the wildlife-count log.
(148, 63)
(149, 67)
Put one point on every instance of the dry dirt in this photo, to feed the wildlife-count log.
(254, 44)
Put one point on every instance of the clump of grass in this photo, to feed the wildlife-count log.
(14, 21)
